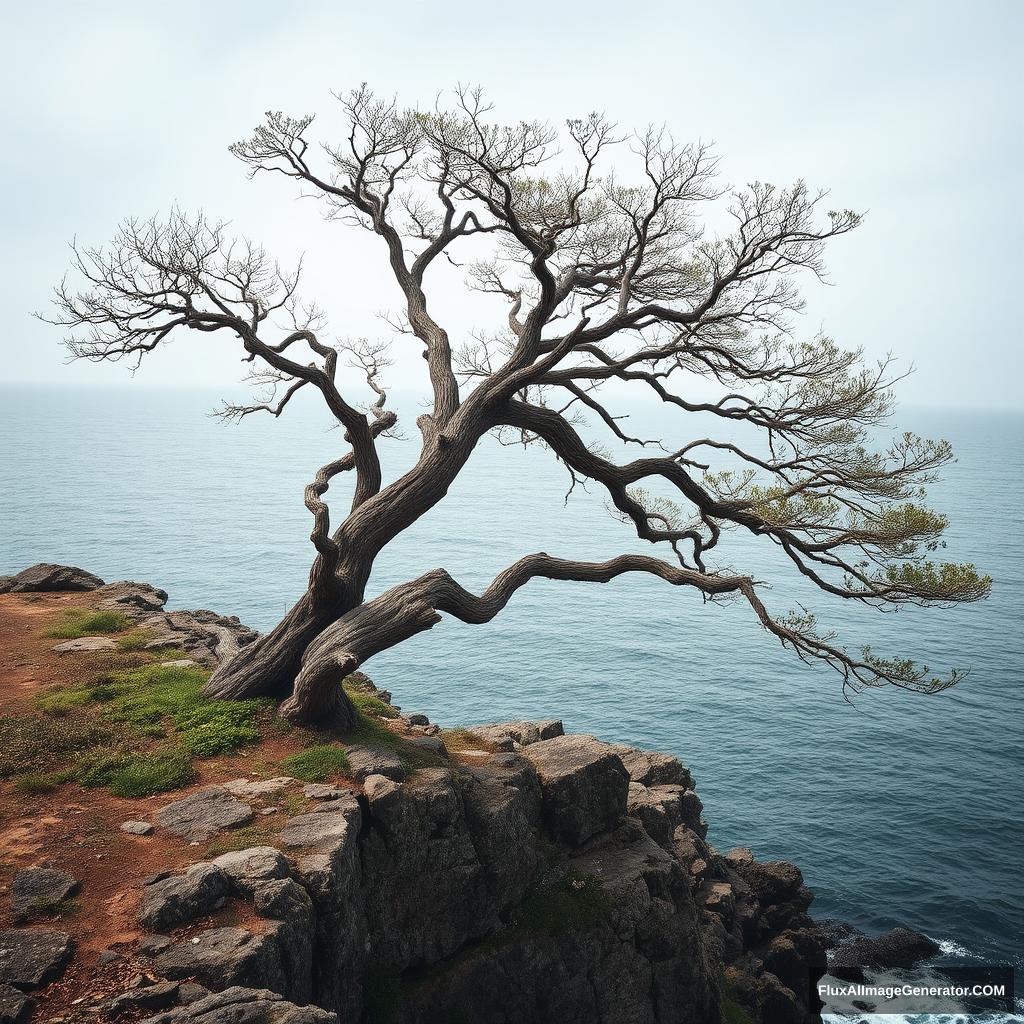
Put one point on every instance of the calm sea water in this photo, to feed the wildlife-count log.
(900, 809)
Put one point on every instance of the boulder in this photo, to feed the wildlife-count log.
(86, 643)
(222, 957)
(258, 787)
(327, 831)
(45, 576)
(584, 785)
(368, 759)
(773, 881)
(239, 1005)
(12, 1003)
(40, 888)
(204, 813)
(652, 769)
(149, 997)
(899, 948)
(246, 868)
(135, 600)
(33, 957)
(505, 736)
(172, 901)
(137, 828)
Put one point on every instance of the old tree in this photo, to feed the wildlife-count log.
(610, 286)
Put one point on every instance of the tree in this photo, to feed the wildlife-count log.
(609, 285)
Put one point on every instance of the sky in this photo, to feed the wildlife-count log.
(910, 112)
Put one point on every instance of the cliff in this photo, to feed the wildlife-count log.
(512, 874)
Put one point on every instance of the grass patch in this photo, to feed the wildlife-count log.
(460, 738)
(129, 773)
(574, 902)
(136, 640)
(318, 764)
(82, 623)
(240, 839)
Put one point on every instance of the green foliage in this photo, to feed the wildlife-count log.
(129, 773)
(732, 1011)
(317, 764)
(373, 706)
(136, 640)
(83, 623)
(42, 745)
(147, 696)
(34, 783)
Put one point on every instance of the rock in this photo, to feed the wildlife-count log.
(318, 791)
(652, 769)
(32, 957)
(222, 957)
(774, 881)
(779, 1004)
(373, 759)
(135, 600)
(584, 784)
(260, 787)
(239, 1005)
(433, 744)
(180, 898)
(153, 997)
(659, 808)
(742, 855)
(191, 991)
(108, 956)
(45, 576)
(899, 948)
(177, 662)
(153, 944)
(86, 643)
(418, 719)
(137, 828)
(324, 831)
(203, 813)
(506, 735)
(40, 888)
(12, 1003)
(245, 868)
(203, 635)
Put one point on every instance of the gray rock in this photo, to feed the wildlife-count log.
(772, 882)
(180, 898)
(324, 831)
(318, 791)
(32, 957)
(152, 997)
(222, 957)
(137, 828)
(584, 784)
(898, 948)
(245, 868)
(191, 991)
(374, 759)
(153, 944)
(86, 643)
(203, 635)
(135, 600)
(46, 576)
(204, 813)
(12, 1004)
(432, 743)
(506, 735)
(651, 769)
(239, 1005)
(257, 787)
(40, 888)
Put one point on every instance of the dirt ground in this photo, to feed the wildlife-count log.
(79, 830)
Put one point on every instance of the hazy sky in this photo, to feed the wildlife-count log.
(911, 112)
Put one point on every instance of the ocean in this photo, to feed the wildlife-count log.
(900, 809)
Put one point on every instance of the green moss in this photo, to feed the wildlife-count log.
(128, 773)
(317, 764)
(574, 902)
(136, 640)
(83, 623)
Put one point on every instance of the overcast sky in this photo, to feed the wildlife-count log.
(908, 111)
